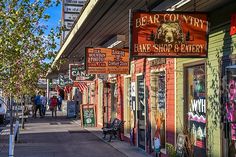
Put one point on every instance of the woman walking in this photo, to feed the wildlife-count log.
(53, 105)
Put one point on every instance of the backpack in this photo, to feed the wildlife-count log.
(37, 100)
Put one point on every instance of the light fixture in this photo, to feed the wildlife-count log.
(178, 5)
(116, 40)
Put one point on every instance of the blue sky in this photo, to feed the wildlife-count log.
(53, 22)
(55, 13)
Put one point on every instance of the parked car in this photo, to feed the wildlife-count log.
(3, 110)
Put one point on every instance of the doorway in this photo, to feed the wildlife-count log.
(141, 112)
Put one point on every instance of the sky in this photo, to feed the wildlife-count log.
(53, 22)
(55, 13)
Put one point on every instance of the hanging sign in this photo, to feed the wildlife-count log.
(165, 34)
(107, 61)
(233, 24)
(77, 73)
(64, 80)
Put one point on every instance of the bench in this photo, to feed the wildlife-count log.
(114, 129)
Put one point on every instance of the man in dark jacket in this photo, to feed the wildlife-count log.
(38, 105)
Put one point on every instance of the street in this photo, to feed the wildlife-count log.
(58, 137)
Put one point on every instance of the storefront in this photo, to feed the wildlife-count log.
(199, 97)
(161, 100)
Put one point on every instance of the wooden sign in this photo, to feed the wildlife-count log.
(165, 34)
(88, 115)
(107, 61)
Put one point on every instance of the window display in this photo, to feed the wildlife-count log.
(196, 104)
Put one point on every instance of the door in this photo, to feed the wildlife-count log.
(141, 112)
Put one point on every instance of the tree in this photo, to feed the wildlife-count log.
(24, 44)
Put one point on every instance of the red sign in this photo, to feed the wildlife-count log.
(107, 61)
(233, 24)
(164, 34)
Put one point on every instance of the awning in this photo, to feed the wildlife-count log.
(81, 86)
(68, 88)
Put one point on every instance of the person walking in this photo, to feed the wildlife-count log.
(53, 105)
(38, 104)
(44, 103)
(33, 105)
(59, 98)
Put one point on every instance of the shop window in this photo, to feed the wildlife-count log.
(196, 107)
(127, 106)
(158, 104)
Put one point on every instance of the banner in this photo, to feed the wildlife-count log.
(77, 73)
(165, 34)
(107, 61)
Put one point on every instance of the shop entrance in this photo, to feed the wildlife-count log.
(141, 112)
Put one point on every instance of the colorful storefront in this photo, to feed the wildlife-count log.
(200, 110)
(165, 97)
(149, 109)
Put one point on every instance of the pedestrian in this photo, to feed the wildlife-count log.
(44, 103)
(59, 98)
(33, 105)
(53, 105)
(38, 104)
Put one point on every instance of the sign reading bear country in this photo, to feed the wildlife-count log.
(167, 34)
(107, 61)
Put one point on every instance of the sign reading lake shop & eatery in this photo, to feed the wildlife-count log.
(165, 34)
(107, 61)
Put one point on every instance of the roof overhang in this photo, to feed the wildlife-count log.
(101, 20)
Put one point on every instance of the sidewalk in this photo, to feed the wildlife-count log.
(64, 137)
(122, 146)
